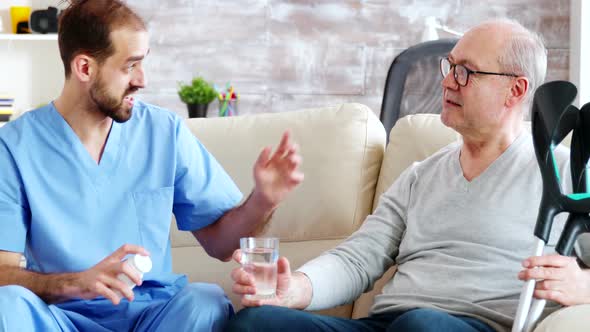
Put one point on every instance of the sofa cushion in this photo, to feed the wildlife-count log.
(342, 148)
(570, 319)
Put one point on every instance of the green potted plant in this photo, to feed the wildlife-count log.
(197, 96)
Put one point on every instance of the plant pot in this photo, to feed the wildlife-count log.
(197, 110)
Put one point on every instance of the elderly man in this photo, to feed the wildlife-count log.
(457, 224)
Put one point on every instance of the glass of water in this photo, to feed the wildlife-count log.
(259, 258)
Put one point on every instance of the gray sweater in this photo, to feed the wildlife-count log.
(458, 244)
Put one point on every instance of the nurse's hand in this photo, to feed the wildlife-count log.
(101, 279)
(276, 175)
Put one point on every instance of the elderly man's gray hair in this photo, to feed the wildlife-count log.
(525, 55)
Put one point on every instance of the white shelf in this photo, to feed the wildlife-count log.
(31, 37)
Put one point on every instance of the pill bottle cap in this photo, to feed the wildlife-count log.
(142, 263)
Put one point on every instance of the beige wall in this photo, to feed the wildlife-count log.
(281, 55)
(286, 55)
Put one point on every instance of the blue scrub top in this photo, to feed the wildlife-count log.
(67, 213)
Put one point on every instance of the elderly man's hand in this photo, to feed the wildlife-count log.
(559, 278)
(244, 284)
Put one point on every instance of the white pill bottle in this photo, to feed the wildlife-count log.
(140, 264)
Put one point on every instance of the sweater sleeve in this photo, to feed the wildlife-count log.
(342, 274)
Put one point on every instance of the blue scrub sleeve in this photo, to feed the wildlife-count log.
(14, 215)
(203, 191)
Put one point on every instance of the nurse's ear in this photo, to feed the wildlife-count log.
(83, 67)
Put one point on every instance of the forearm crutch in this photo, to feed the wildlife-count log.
(553, 117)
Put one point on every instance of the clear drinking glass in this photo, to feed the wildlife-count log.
(259, 258)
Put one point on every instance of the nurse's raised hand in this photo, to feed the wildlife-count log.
(101, 279)
(276, 175)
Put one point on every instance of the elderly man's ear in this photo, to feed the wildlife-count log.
(520, 86)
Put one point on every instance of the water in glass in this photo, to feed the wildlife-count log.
(261, 263)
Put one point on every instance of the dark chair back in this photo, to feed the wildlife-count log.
(413, 82)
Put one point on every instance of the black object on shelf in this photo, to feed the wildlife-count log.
(44, 21)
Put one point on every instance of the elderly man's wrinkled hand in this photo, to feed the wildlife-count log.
(559, 278)
(244, 284)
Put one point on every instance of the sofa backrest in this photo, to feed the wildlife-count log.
(413, 138)
(342, 149)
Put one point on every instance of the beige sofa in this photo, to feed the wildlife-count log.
(346, 166)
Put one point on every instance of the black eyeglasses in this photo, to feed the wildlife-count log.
(461, 73)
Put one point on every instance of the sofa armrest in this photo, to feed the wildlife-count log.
(570, 319)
